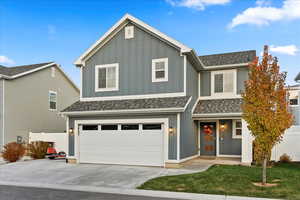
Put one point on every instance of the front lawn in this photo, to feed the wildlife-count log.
(234, 180)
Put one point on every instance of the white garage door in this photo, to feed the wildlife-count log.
(128, 144)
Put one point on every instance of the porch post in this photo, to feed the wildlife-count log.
(247, 140)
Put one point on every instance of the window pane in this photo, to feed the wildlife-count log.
(111, 77)
(151, 126)
(129, 127)
(228, 82)
(52, 97)
(238, 131)
(238, 124)
(218, 83)
(160, 74)
(90, 127)
(107, 127)
(102, 78)
(52, 105)
(159, 66)
(293, 101)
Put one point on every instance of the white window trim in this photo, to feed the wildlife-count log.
(234, 136)
(97, 67)
(127, 36)
(154, 79)
(53, 92)
(224, 94)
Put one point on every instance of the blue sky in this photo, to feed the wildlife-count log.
(34, 31)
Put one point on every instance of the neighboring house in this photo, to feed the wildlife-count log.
(31, 97)
(147, 99)
(294, 97)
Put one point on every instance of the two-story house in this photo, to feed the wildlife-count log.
(147, 99)
(31, 97)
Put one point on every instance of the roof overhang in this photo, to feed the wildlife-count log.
(117, 27)
(216, 115)
(133, 111)
(38, 69)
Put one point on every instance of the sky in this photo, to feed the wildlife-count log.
(35, 31)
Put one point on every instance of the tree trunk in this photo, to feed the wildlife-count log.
(264, 171)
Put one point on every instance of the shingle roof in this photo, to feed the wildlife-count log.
(11, 71)
(228, 58)
(297, 77)
(128, 104)
(217, 106)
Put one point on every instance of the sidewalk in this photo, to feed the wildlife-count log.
(146, 193)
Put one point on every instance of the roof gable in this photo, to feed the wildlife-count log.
(297, 79)
(117, 27)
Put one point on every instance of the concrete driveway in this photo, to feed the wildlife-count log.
(58, 172)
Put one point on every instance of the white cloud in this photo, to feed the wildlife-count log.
(6, 60)
(264, 14)
(288, 49)
(196, 4)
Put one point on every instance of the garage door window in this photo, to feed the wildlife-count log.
(129, 127)
(89, 127)
(151, 126)
(109, 127)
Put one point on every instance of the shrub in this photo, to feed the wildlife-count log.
(13, 152)
(38, 149)
(285, 158)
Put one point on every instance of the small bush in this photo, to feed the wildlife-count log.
(38, 149)
(285, 158)
(13, 152)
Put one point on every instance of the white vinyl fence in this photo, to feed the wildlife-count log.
(290, 145)
(60, 139)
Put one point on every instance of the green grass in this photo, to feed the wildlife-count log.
(234, 180)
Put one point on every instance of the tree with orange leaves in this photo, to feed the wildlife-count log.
(265, 107)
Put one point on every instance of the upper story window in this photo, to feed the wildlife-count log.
(52, 100)
(223, 83)
(107, 77)
(237, 129)
(160, 70)
(129, 32)
(53, 72)
(294, 97)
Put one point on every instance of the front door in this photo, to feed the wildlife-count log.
(207, 138)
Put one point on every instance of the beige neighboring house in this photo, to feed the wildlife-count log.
(31, 97)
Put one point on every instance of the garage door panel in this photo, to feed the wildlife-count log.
(129, 147)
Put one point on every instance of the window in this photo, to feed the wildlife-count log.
(109, 127)
(107, 77)
(90, 127)
(52, 100)
(160, 70)
(129, 32)
(53, 72)
(294, 101)
(223, 82)
(151, 126)
(236, 129)
(129, 127)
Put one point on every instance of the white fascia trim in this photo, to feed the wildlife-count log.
(217, 115)
(237, 96)
(3, 112)
(225, 66)
(156, 110)
(158, 95)
(184, 74)
(194, 106)
(178, 136)
(183, 48)
(187, 103)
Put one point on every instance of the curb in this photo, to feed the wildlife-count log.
(134, 192)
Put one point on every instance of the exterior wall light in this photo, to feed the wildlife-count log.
(171, 130)
(222, 127)
(71, 131)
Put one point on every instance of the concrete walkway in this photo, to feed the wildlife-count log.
(58, 172)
